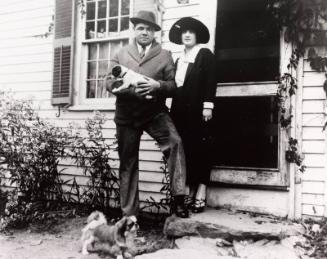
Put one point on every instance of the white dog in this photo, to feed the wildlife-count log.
(129, 78)
(97, 230)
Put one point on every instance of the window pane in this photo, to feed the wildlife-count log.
(102, 9)
(90, 30)
(247, 42)
(246, 135)
(103, 69)
(98, 63)
(103, 51)
(113, 8)
(124, 7)
(92, 52)
(90, 11)
(114, 47)
(101, 29)
(124, 23)
(101, 91)
(92, 70)
(113, 25)
(90, 89)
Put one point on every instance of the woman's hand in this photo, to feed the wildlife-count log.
(207, 114)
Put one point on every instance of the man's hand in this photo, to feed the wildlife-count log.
(207, 114)
(147, 87)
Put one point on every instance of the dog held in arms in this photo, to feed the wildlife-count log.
(129, 77)
(98, 231)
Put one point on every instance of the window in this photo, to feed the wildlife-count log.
(247, 42)
(106, 30)
(247, 135)
(97, 67)
(248, 141)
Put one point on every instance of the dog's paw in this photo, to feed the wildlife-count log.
(119, 257)
(127, 255)
(85, 252)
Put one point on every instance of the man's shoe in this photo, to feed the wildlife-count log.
(179, 207)
(181, 211)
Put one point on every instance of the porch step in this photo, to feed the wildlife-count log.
(230, 225)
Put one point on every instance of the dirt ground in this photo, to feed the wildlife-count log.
(61, 240)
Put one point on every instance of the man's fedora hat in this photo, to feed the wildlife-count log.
(146, 17)
(189, 23)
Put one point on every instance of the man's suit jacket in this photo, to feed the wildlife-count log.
(158, 64)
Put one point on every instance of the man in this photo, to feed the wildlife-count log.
(135, 114)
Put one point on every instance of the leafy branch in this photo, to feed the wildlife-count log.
(302, 22)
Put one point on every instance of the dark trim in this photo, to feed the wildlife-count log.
(248, 186)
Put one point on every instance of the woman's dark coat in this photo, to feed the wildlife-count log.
(186, 112)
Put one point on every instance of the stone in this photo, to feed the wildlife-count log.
(270, 250)
(182, 254)
(230, 225)
(315, 228)
(204, 244)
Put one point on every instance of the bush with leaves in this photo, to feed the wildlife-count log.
(30, 151)
(92, 153)
(302, 22)
(163, 206)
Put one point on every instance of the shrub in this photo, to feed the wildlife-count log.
(93, 155)
(30, 151)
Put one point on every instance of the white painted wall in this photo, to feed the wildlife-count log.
(314, 189)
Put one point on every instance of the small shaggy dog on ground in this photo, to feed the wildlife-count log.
(98, 231)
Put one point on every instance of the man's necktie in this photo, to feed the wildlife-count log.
(142, 53)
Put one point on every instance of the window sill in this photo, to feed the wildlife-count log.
(93, 107)
(247, 89)
(258, 177)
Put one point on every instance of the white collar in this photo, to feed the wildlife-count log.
(139, 47)
(191, 55)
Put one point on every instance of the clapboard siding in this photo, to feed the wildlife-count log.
(316, 119)
(313, 142)
(27, 50)
(313, 210)
(10, 44)
(314, 147)
(314, 174)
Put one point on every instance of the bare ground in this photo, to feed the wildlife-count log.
(61, 240)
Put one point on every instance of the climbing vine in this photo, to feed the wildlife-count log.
(302, 22)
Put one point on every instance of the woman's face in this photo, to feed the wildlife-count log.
(188, 38)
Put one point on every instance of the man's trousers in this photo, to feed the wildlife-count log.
(161, 129)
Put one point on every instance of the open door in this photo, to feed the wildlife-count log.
(249, 144)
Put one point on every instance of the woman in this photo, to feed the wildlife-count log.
(192, 104)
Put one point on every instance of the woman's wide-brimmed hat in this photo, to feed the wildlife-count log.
(189, 23)
(146, 17)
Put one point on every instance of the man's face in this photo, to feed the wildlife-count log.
(144, 34)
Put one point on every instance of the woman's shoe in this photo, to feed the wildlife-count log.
(189, 201)
(199, 205)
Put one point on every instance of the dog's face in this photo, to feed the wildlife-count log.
(116, 71)
(127, 225)
(116, 236)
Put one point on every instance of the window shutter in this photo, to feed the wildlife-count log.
(63, 52)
